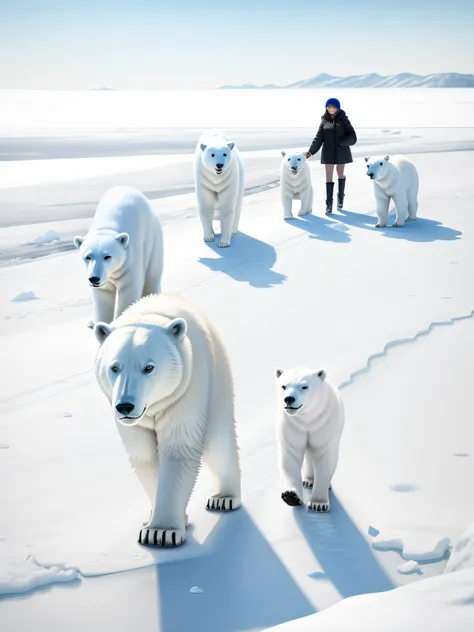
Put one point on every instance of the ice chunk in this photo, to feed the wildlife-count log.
(420, 546)
(196, 590)
(29, 295)
(48, 237)
(409, 567)
(31, 574)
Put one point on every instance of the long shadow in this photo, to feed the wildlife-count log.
(244, 585)
(422, 230)
(247, 260)
(322, 228)
(345, 556)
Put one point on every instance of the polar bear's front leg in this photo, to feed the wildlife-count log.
(227, 219)
(383, 202)
(104, 303)
(176, 479)
(308, 470)
(287, 202)
(401, 207)
(130, 293)
(305, 202)
(291, 455)
(205, 202)
(324, 465)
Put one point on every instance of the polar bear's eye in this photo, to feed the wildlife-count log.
(88, 258)
(148, 369)
(283, 386)
(381, 164)
(213, 155)
(225, 155)
(304, 387)
(299, 158)
(107, 257)
(114, 368)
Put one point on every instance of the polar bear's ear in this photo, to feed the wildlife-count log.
(203, 147)
(177, 328)
(321, 373)
(367, 158)
(123, 239)
(231, 146)
(278, 373)
(102, 331)
(387, 158)
(78, 241)
(283, 153)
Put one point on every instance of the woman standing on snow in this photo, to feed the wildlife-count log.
(335, 135)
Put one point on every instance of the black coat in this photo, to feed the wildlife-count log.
(335, 136)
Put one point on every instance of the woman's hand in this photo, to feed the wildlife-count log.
(308, 155)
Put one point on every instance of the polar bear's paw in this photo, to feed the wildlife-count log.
(149, 536)
(209, 238)
(145, 522)
(398, 225)
(308, 482)
(379, 225)
(321, 506)
(302, 213)
(222, 503)
(288, 217)
(291, 498)
(224, 244)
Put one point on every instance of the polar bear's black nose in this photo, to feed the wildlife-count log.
(124, 408)
(94, 280)
(219, 165)
(289, 400)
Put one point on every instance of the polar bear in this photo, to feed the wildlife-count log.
(219, 183)
(309, 429)
(395, 178)
(123, 252)
(295, 183)
(165, 371)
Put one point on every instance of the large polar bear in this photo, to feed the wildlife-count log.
(165, 371)
(123, 252)
(219, 182)
(295, 183)
(310, 425)
(395, 178)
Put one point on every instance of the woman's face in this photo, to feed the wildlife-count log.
(332, 109)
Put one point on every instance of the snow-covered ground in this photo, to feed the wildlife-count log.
(388, 313)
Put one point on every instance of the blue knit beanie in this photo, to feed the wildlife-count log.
(333, 102)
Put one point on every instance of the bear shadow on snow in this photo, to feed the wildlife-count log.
(345, 556)
(245, 585)
(247, 259)
(322, 228)
(422, 230)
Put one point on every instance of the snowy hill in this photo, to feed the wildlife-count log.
(403, 80)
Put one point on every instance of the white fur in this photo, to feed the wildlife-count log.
(222, 192)
(394, 178)
(308, 434)
(126, 229)
(183, 408)
(295, 183)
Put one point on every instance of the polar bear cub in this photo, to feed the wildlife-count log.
(295, 183)
(309, 429)
(165, 372)
(123, 252)
(219, 181)
(394, 178)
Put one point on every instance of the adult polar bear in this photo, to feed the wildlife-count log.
(295, 183)
(165, 371)
(123, 252)
(219, 183)
(309, 429)
(395, 178)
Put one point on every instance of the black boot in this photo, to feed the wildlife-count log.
(329, 196)
(340, 193)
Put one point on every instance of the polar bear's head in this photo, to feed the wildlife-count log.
(142, 367)
(294, 162)
(376, 167)
(299, 388)
(217, 156)
(103, 255)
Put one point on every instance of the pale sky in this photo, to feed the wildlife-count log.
(191, 44)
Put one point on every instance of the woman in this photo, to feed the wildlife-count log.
(335, 135)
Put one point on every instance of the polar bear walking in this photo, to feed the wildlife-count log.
(165, 371)
(395, 178)
(123, 252)
(310, 425)
(295, 183)
(219, 182)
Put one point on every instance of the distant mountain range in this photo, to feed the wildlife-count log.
(403, 80)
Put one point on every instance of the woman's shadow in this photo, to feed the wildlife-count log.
(247, 259)
(322, 228)
(421, 230)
